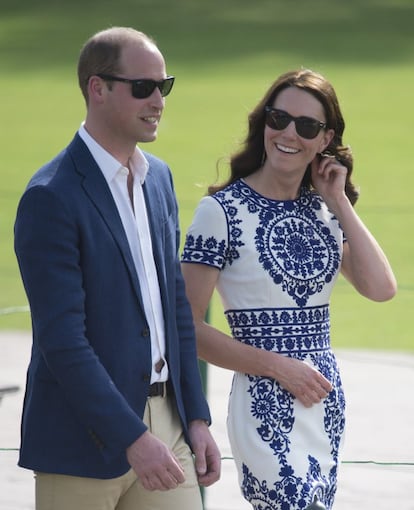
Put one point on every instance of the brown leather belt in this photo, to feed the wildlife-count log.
(159, 389)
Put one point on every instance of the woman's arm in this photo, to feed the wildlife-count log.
(364, 263)
(214, 346)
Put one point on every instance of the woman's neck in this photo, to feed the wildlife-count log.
(274, 186)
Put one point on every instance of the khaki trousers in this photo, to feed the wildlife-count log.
(62, 492)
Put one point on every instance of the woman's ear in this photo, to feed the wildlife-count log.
(326, 139)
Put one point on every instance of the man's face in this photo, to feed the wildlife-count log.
(131, 119)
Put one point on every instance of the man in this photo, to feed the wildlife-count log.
(114, 407)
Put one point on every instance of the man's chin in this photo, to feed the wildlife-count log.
(149, 137)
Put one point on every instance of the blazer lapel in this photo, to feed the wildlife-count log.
(97, 189)
(156, 224)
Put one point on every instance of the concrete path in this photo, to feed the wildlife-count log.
(379, 388)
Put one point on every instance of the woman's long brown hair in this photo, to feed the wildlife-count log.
(252, 155)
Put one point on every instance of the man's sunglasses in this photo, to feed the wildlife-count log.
(306, 127)
(140, 89)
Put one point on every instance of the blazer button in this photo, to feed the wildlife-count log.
(96, 439)
(145, 332)
(146, 377)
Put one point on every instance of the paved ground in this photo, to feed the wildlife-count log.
(379, 388)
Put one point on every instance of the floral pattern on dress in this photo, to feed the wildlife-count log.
(282, 329)
(289, 493)
(297, 250)
(278, 261)
(271, 406)
(294, 246)
(212, 251)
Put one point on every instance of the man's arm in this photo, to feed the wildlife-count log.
(48, 250)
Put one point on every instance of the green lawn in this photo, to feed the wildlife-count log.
(224, 56)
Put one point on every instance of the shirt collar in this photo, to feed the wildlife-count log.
(108, 164)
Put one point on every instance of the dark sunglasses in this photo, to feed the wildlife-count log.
(306, 127)
(142, 88)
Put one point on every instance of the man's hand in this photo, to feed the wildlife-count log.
(207, 454)
(154, 463)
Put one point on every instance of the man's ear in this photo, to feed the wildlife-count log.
(96, 88)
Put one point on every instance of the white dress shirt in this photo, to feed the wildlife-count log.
(135, 221)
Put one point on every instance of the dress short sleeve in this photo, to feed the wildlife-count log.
(207, 239)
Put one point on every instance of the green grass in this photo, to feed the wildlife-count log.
(224, 55)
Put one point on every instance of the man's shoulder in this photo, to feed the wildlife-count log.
(154, 161)
(47, 172)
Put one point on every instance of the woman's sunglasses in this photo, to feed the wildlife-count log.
(306, 127)
(143, 88)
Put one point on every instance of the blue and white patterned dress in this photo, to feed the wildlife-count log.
(278, 262)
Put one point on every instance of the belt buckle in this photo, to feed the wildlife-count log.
(158, 389)
(163, 389)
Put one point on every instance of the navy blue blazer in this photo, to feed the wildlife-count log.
(90, 366)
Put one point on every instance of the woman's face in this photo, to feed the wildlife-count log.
(286, 150)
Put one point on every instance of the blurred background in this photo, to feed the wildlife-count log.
(224, 56)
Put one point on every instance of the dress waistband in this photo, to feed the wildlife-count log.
(283, 330)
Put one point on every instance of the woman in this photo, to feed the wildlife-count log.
(273, 239)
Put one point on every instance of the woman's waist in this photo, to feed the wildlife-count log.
(283, 330)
